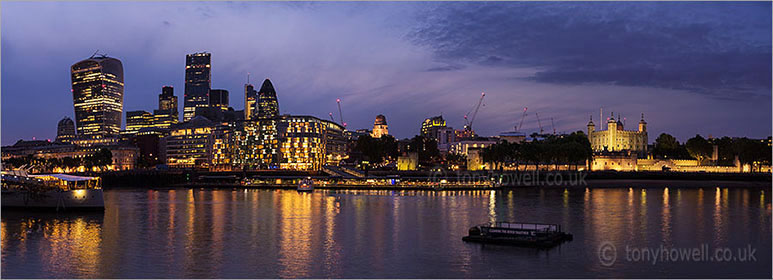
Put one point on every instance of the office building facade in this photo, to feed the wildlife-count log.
(198, 81)
(97, 91)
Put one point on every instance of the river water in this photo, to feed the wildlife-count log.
(184, 233)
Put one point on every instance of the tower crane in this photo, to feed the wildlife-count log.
(553, 125)
(540, 124)
(468, 126)
(341, 115)
(518, 128)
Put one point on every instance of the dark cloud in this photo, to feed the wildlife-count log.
(446, 68)
(720, 49)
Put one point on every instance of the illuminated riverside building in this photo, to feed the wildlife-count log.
(380, 127)
(302, 141)
(268, 105)
(167, 113)
(335, 143)
(189, 144)
(136, 120)
(97, 91)
(197, 83)
(65, 130)
(250, 101)
(615, 138)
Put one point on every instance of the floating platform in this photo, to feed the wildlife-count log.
(518, 234)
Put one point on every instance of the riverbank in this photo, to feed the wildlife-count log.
(426, 180)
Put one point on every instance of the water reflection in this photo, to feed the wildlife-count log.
(187, 233)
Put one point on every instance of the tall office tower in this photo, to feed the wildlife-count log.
(268, 106)
(250, 99)
(197, 83)
(218, 98)
(136, 120)
(167, 100)
(97, 92)
(65, 130)
(167, 113)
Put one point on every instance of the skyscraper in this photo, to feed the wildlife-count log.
(268, 106)
(197, 83)
(218, 98)
(136, 120)
(250, 99)
(65, 130)
(97, 91)
(167, 113)
(167, 100)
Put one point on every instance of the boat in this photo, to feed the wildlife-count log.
(50, 191)
(518, 234)
(306, 185)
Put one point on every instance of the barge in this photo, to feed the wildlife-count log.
(518, 234)
(50, 191)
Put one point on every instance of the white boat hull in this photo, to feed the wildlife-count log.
(63, 200)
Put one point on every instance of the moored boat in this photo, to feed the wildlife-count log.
(50, 191)
(306, 185)
(518, 234)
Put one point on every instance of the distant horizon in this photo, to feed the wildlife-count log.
(691, 68)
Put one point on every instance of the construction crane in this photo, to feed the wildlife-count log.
(540, 124)
(553, 125)
(341, 115)
(518, 128)
(468, 125)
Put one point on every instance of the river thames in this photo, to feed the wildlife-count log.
(184, 233)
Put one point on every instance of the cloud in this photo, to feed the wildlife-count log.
(719, 49)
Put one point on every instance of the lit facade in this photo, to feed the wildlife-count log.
(431, 125)
(97, 91)
(463, 147)
(136, 120)
(255, 145)
(268, 105)
(250, 101)
(615, 138)
(167, 113)
(189, 145)
(380, 127)
(303, 143)
(197, 83)
(65, 130)
(335, 143)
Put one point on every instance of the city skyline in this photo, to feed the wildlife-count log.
(418, 68)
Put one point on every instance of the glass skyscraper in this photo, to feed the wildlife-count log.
(268, 106)
(250, 99)
(197, 83)
(218, 98)
(97, 91)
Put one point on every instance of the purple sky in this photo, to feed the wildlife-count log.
(692, 68)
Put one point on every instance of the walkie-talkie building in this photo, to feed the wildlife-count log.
(97, 92)
(197, 83)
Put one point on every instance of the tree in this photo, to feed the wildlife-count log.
(426, 148)
(666, 146)
(699, 148)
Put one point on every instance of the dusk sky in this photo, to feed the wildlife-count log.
(691, 68)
